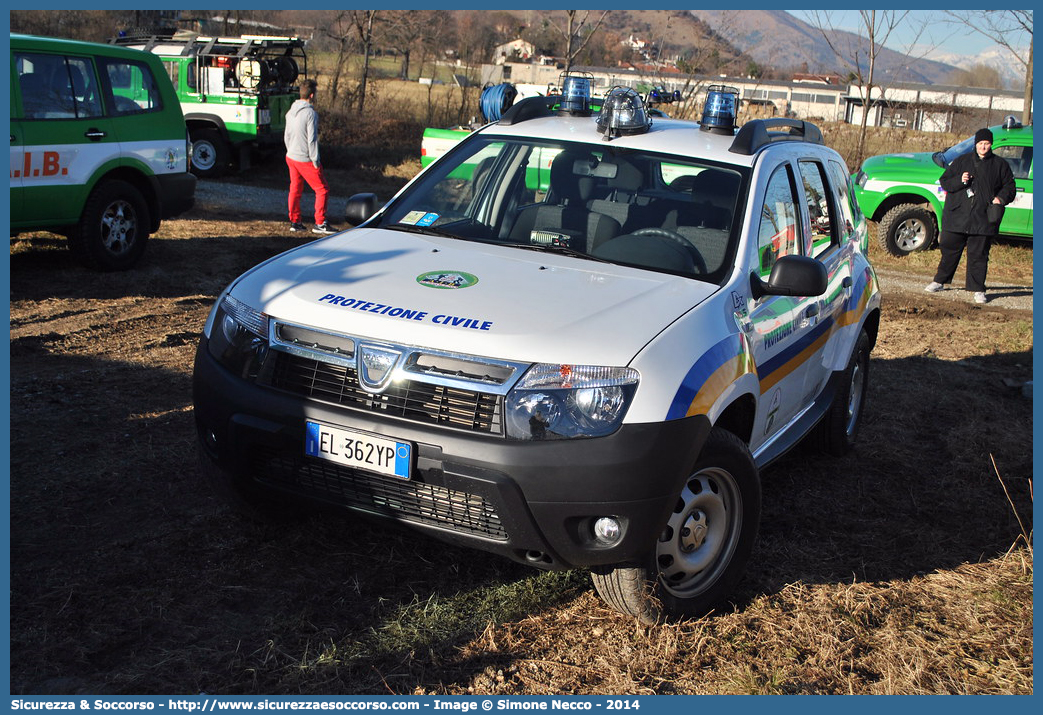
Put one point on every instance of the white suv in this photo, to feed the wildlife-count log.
(573, 341)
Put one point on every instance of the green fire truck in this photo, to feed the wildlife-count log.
(234, 91)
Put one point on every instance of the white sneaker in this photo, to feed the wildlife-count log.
(980, 298)
(934, 287)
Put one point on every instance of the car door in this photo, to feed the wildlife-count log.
(781, 329)
(1017, 219)
(64, 134)
(828, 239)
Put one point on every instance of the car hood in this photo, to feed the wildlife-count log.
(474, 298)
(901, 166)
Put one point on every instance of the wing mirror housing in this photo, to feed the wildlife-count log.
(792, 275)
(361, 208)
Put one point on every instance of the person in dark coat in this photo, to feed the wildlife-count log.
(978, 185)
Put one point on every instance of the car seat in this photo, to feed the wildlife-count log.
(564, 217)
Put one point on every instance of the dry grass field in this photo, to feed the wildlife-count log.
(903, 567)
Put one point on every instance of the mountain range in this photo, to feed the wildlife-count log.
(776, 38)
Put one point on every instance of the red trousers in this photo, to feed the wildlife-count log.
(301, 172)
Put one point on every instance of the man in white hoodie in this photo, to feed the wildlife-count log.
(301, 137)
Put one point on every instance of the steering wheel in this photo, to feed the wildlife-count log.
(697, 258)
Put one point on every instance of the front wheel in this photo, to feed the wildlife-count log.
(907, 228)
(702, 551)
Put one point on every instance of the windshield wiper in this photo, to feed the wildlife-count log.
(556, 248)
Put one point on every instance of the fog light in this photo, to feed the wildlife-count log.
(607, 530)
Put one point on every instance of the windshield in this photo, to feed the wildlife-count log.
(647, 210)
(956, 150)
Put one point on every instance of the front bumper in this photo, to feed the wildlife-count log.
(534, 502)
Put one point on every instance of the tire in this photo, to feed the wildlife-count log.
(838, 430)
(210, 154)
(703, 549)
(907, 228)
(113, 229)
(242, 497)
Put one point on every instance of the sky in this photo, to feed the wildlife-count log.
(940, 34)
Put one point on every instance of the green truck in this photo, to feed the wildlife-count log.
(901, 191)
(234, 91)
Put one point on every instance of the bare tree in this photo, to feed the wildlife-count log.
(1005, 28)
(573, 33)
(978, 75)
(340, 32)
(363, 22)
(859, 53)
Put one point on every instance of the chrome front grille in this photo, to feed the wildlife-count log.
(409, 399)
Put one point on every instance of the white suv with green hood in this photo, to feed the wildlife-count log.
(901, 191)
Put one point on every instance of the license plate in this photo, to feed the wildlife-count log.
(359, 450)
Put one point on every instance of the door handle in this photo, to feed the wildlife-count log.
(810, 315)
(94, 134)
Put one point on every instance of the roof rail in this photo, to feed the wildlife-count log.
(530, 108)
(195, 43)
(757, 133)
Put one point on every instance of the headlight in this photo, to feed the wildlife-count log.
(569, 401)
(861, 179)
(239, 338)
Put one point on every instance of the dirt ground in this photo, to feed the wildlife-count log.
(890, 570)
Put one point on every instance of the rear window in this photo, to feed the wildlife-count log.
(133, 86)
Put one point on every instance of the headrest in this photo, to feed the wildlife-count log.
(628, 177)
(716, 187)
(563, 180)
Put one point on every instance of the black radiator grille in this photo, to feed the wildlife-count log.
(399, 499)
(412, 400)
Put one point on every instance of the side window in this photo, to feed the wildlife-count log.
(779, 226)
(820, 207)
(1019, 158)
(848, 205)
(56, 87)
(132, 86)
(172, 70)
(190, 76)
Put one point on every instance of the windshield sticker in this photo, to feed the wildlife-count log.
(446, 280)
(412, 217)
(394, 311)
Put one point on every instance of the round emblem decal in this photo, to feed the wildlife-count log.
(446, 279)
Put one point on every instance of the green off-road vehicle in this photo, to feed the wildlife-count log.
(902, 193)
(234, 91)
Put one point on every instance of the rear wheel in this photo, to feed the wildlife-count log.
(907, 228)
(113, 229)
(702, 551)
(210, 153)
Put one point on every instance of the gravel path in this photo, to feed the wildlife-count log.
(224, 196)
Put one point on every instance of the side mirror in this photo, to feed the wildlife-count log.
(792, 275)
(361, 208)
